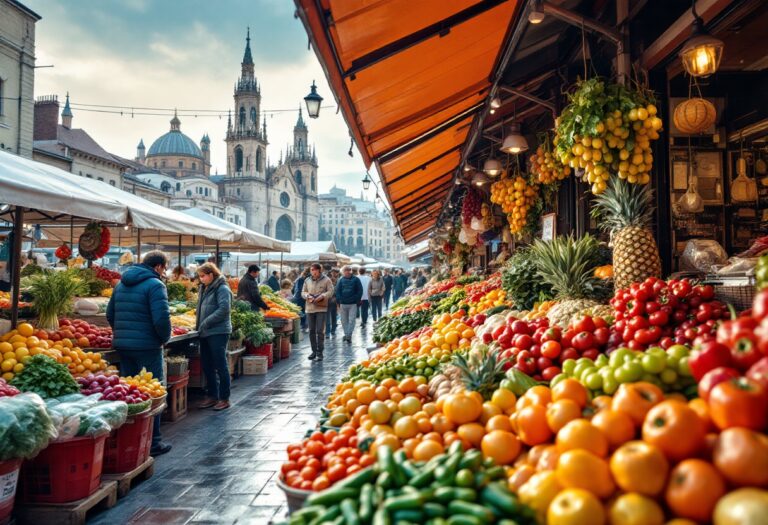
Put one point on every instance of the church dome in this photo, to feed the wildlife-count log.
(175, 143)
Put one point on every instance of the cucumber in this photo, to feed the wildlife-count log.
(349, 512)
(471, 509)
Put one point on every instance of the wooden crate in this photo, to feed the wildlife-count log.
(73, 513)
(177, 399)
(125, 479)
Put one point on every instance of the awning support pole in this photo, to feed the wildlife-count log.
(138, 245)
(179, 250)
(18, 231)
(218, 255)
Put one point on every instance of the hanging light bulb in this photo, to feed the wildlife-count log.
(495, 103)
(514, 142)
(536, 15)
(467, 167)
(492, 167)
(480, 178)
(701, 53)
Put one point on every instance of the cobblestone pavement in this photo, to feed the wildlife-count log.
(223, 465)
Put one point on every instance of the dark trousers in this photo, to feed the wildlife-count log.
(131, 364)
(331, 320)
(317, 331)
(213, 359)
(364, 311)
(376, 301)
(387, 297)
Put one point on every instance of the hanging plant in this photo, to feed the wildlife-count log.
(63, 252)
(607, 129)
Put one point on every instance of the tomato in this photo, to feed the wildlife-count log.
(532, 427)
(295, 454)
(581, 434)
(501, 445)
(320, 483)
(639, 467)
(636, 399)
(570, 389)
(693, 490)
(315, 448)
(560, 412)
(739, 403)
(713, 378)
(313, 463)
(551, 349)
(585, 324)
(741, 455)
(367, 460)
(675, 428)
(617, 426)
(462, 408)
(288, 466)
(575, 507)
(336, 473)
(308, 473)
(583, 341)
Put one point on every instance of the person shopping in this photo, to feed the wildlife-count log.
(388, 282)
(214, 326)
(332, 320)
(365, 301)
(140, 317)
(376, 290)
(349, 292)
(248, 288)
(317, 292)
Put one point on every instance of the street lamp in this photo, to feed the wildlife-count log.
(366, 181)
(313, 101)
(702, 52)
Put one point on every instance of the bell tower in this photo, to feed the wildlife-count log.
(246, 132)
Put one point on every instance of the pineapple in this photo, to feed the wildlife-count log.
(481, 371)
(567, 265)
(626, 211)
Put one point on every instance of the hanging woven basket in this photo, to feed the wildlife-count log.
(694, 116)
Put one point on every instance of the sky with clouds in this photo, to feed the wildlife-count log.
(185, 54)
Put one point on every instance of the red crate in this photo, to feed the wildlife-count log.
(9, 476)
(257, 350)
(128, 446)
(64, 471)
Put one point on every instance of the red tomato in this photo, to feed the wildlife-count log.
(550, 349)
(317, 436)
(336, 473)
(295, 454)
(315, 448)
(320, 483)
(308, 473)
(305, 485)
(329, 435)
(352, 469)
(302, 462)
(314, 463)
(351, 460)
(366, 460)
(288, 466)
(348, 431)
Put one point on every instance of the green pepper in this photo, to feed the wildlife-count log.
(331, 496)
(350, 512)
(472, 509)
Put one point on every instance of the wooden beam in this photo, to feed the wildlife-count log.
(679, 31)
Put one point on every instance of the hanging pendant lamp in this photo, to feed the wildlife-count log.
(514, 142)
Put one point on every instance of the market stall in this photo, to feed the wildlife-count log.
(549, 390)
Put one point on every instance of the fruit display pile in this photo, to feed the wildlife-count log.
(146, 383)
(111, 388)
(651, 408)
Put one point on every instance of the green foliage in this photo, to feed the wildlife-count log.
(250, 324)
(94, 286)
(521, 281)
(45, 377)
(391, 327)
(450, 303)
(53, 292)
(176, 291)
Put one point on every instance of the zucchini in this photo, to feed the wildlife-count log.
(331, 496)
(471, 509)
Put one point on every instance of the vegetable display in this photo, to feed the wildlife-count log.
(25, 426)
(45, 377)
(53, 292)
(521, 282)
(388, 328)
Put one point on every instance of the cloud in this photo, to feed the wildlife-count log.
(157, 55)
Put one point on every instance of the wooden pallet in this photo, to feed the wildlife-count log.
(125, 479)
(73, 513)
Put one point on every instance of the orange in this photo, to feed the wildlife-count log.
(427, 449)
(547, 458)
(385, 439)
(561, 412)
(532, 427)
(5, 347)
(25, 329)
(379, 412)
(581, 434)
(635, 509)
(503, 398)
(539, 395)
(574, 506)
(462, 408)
(366, 395)
(471, 432)
(409, 406)
(639, 467)
(616, 426)
(489, 410)
(701, 408)
(498, 422)
(581, 469)
(382, 393)
(441, 424)
(519, 476)
(500, 445)
(408, 385)
(571, 389)
(406, 427)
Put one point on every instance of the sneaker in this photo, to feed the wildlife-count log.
(312, 356)
(160, 449)
(208, 402)
(221, 405)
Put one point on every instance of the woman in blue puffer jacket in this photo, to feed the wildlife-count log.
(214, 326)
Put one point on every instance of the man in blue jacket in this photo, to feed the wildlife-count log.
(349, 292)
(140, 318)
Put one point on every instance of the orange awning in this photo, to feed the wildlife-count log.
(410, 77)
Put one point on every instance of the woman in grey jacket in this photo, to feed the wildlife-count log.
(214, 326)
(376, 290)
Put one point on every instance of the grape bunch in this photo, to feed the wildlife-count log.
(607, 129)
(668, 369)
(516, 197)
(471, 206)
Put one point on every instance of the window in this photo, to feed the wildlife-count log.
(162, 164)
(100, 178)
(313, 182)
(206, 192)
(1, 97)
(178, 186)
(238, 191)
(194, 165)
(181, 163)
(285, 199)
(242, 116)
(253, 117)
(297, 176)
(81, 173)
(112, 183)
(359, 231)
(88, 175)
(239, 158)
(258, 159)
(154, 165)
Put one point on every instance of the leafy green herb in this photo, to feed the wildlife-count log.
(45, 377)
(521, 282)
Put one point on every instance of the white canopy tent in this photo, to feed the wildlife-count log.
(300, 252)
(362, 259)
(244, 238)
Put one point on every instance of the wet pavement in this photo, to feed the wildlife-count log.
(223, 465)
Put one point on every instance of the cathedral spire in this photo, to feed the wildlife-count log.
(247, 58)
(300, 122)
(66, 115)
